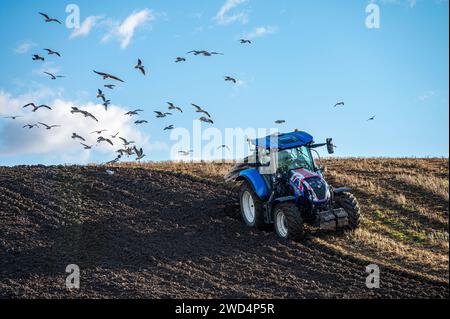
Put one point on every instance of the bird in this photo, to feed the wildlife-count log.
(245, 41)
(280, 122)
(139, 152)
(102, 139)
(204, 53)
(50, 52)
(128, 151)
(109, 86)
(37, 57)
(229, 78)
(115, 135)
(135, 112)
(223, 146)
(339, 104)
(101, 95)
(30, 126)
(200, 110)
(206, 120)
(161, 115)
(49, 127)
(12, 117)
(76, 136)
(174, 107)
(125, 142)
(168, 128)
(85, 113)
(54, 77)
(140, 122)
(372, 118)
(140, 67)
(99, 132)
(48, 19)
(37, 107)
(180, 59)
(185, 153)
(87, 147)
(109, 76)
(115, 160)
(106, 104)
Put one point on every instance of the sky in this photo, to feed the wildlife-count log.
(305, 56)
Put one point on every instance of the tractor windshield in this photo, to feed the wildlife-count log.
(299, 157)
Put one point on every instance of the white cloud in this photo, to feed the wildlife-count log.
(225, 17)
(260, 32)
(24, 46)
(85, 27)
(125, 30)
(57, 143)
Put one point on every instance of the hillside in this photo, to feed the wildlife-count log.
(170, 230)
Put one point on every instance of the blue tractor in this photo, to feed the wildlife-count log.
(282, 187)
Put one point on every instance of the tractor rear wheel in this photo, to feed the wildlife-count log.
(348, 202)
(288, 222)
(252, 208)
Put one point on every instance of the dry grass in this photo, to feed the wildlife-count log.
(404, 202)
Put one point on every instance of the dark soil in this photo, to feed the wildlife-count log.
(148, 234)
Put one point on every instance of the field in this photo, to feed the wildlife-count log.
(171, 230)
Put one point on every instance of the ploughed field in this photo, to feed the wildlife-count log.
(171, 230)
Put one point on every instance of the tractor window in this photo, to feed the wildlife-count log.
(293, 158)
(264, 156)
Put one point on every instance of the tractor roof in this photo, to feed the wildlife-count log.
(284, 141)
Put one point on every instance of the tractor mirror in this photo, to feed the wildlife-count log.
(330, 146)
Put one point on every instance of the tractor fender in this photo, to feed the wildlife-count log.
(341, 190)
(255, 179)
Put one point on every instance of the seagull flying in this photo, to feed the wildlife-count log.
(200, 110)
(140, 153)
(339, 104)
(180, 59)
(135, 112)
(185, 153)
(140, 67)
(280, 122)
(108, 76)
(37, 107)
(245, 41)
(106, 104)
(50, 52)
(48, 19)
(168, 128)
(87, 147)
(76, 136)
(140, 122)
(229, 78)
(125, 142)
(161, 115)
(99, 132)
(109, 86)
(102, 139)
(174, 107)
(12, 117)
(49, 127)
(372, 118)
(101, 95)
(37, 57)
(223, 146)
(30, 126)
(206, 120)
(54, 77)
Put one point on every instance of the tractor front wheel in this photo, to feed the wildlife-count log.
(288, 222)
(252, 208)
(348, 202)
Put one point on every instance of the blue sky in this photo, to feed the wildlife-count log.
(305, 57)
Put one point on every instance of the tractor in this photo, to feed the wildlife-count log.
(282, 187)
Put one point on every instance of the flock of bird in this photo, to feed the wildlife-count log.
(129, 148)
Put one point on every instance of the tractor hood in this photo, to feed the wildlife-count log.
(309, 184)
